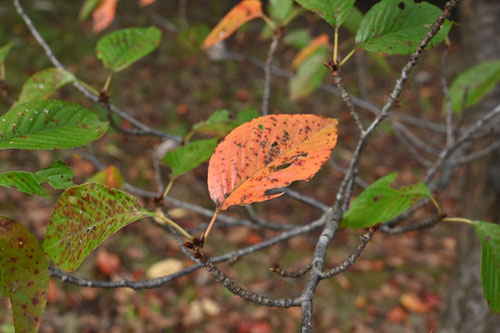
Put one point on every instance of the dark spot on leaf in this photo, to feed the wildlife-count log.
(377, 198)
(401, 5)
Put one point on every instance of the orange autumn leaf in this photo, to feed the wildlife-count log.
(240, 14)
(104, 15)
(144, 3)
(267, 153)
(306, 52)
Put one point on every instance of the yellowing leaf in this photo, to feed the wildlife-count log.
(240, 14)
(104, 15)
(306, 52)
(267, 153)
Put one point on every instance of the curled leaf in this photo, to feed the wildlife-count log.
(243, 12)
(267, 153)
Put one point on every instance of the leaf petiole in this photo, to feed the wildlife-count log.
(269, 22)
(169, 186)
(457, 219)
(347, 57)
(204, 235)
(336, 46)
(159, 214)
(107, 83)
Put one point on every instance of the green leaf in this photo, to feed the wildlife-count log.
(58, 175)
(298, 38)
(121, 48)
(24, 274)
(49, 125)
(476, 82)
(87, 9)
(217, 124)
(489, 235)
(4, 51)
(110, 177)
(379, 202)
(332, 11)
(43, 84)
(280, 9)
(23, 181)
(309, 76)
(84, 216)
(352, 20)
(398, 26)
(185, 158)
(245, 116)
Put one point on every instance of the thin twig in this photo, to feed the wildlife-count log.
(267, 70)
(353, 257)
(290, 274)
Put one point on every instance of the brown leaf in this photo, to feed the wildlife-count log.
(413, 303)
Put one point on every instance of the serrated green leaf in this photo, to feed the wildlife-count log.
(298, 38)
(245, 116)
(185, 158)
(332, 11)
(280, 9)
(121, 48)
(398, 26)
(24, 274)
(43, 84)
(4, 51)
(23, 181)
(49, 125)
(352, 20)
(87, 8)
(489, 235)
(58, 175)
(380, 202)
(310, 74)
(84, 216)
(476, 82)
(110, 177)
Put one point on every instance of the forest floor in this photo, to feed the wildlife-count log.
(396, 286)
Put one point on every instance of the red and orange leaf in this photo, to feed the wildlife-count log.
(104, 15)
(144, 3)
(306, 52)
(267, 153)
(240, 14)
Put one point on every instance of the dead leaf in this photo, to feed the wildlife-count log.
(306, 52)
(108, 263)
(104, 15)
(413, 303)
(397, 315)
(240, 14)
(267, 153)
(164, 267)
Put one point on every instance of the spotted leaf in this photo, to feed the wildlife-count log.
(267, 153)
(24, 274)
(43, 84)
(84, 216)
(243, 12)
(49, 125)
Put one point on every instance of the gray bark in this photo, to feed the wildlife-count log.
(465, 309)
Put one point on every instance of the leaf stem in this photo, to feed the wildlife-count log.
(189, 136)
(204, 235)
(336, 47)
(269, 22)
(347, 57)
(88, 87)
(169, 186)
(435, 204)
(161, 216)
(457, 219)
(2, 71)
(107, 83)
